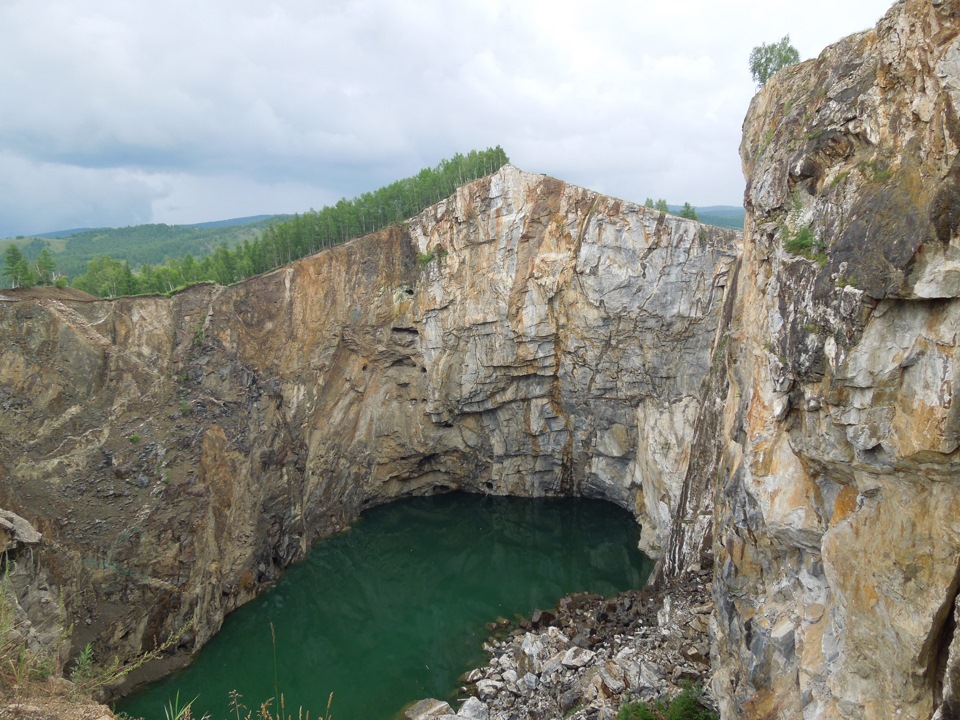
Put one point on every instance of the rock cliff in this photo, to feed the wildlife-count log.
(524, 337)
(838, 512)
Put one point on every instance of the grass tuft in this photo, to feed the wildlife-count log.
(799, 242)
(688, 705)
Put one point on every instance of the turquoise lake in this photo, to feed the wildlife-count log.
(396, 608)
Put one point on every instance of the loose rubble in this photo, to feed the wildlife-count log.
(589, 655)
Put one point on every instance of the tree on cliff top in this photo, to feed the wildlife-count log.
(767, 59)
(15, 268)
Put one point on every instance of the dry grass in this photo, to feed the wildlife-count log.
(21, 669)
(33, 683)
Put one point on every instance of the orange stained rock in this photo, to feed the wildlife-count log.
(845, 505)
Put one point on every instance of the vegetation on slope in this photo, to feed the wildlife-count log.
(725, 216)
(688, 705)
(137, 245)
(152, 244)
(32, 674)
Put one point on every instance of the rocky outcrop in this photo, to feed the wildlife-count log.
(838, 520)
(35, 620)
(15, 532)
(524, 336)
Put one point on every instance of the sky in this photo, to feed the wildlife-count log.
(121, 112)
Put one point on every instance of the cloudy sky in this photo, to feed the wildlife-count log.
(118, 112)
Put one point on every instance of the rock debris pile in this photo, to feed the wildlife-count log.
(589, 655)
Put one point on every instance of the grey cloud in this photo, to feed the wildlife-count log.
(38, 197)
(630, 98)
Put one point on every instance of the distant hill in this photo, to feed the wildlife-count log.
(211, 224)
(139, 244)
(726, 216)
(237, 221)
(62, 233)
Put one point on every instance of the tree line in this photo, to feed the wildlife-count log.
(290, 239)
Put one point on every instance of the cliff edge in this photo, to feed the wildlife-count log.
(838, 512)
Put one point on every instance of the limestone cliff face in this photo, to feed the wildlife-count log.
(838, 515)
(524, 337)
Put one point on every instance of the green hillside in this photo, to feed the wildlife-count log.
(160, 258)
(140, 244)
(725, 216)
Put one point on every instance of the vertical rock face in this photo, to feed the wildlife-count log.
(524, 337)
(838, 513)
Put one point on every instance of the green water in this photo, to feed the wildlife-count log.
(395, 609)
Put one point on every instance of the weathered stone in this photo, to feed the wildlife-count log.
(541, 618)
(554, 663)
(577, 657)
(473, 709)
(530, 652)
(570, 699)
(15, 531)
(612, 676)
(601, 679)
(649, 677)
(695, 653)
(949, 669)
(23, 709)
(488, 689)
(471, 676)
(428, 709)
